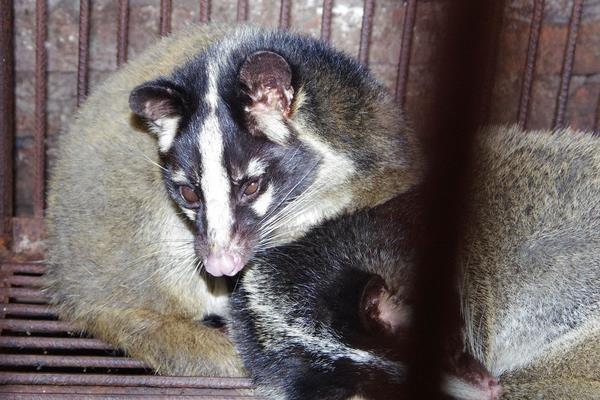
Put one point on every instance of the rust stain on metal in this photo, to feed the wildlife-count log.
(122, 32)
(560, 112)
(408, 31)
(123, 380)
(37, 326)
(365, 31)
(19, 360)
(41, 64)
(204, 11)
(530, 62)
(326, 20)
(242, 11)
(166, 7)
(284, 14)
(28, 310)
(84, 46)
(7, 121)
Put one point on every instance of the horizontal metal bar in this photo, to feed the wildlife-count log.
(128, 390)
(53, 343)
(24, 378)
(24, 293)
(24, 280)
(33, 310)
(20, 360)
(23, 268)
(24, 325)
(67, 396)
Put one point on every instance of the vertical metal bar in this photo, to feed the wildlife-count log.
(204, 11)
(326, 20)
(365, 31)
(83, 56)
(456, 107)
(122, 32)
(490, 67)
(408, 30)
(284, 14)
(7, 120)
(597, 124)
(530, 62)
(242, 11)
(166, 7)
(41, 62)
(567, 67)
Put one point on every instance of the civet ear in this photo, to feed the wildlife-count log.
(380, 312)
(266, 78)
(162, 105)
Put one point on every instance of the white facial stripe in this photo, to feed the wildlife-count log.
(166, 129)
(262, 203)
(178, 176)
(190, 214)
(256, 167)
(215, 180)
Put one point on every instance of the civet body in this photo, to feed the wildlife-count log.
(213, 144)
(530, 270)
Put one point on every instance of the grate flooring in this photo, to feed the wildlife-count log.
(42, 357)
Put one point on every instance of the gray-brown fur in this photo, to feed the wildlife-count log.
(121, 254)
(530, 273)
(116, 270)
(532, 262)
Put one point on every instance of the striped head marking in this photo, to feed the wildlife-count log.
(232, 161)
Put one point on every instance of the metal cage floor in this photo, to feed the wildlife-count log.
(44, 357)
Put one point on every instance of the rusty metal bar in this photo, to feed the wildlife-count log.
(20, 360)
(87, 396)
(408, 30)
(36, 326)
(122, 32)
(531, 60)
(53, 343)
(284, 14)
(597, 122)
(7, 120)
(166, 7)
(490, 65)
(135, 392)
(24, 280)
(204, 11)
(16, 378)
(326, 20)
(242, 10)
(456, 107)
(365, 31)
(83, 55)
(28, 310)
(23, 293)
(41, 62)
(560, 113)
(23, 268)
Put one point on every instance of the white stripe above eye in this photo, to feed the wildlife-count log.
(256, 167)
(179, 177)
(263, 202)
(215, 180)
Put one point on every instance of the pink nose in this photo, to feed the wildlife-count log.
(223, 263)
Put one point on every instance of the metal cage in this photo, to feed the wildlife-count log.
(524, 58)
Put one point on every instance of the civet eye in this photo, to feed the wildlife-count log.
(251, 188)
(189, 195)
